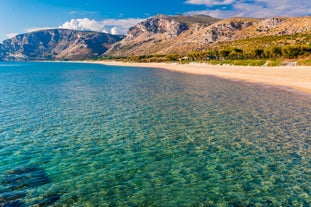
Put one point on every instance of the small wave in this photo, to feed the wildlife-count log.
(10, 65)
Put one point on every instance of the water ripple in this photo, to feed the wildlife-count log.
(92, 135)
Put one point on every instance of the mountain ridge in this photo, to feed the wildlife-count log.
(147, 36)
(56, 44)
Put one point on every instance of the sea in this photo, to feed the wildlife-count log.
(76, 134)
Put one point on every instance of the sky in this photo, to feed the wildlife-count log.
(116, 16)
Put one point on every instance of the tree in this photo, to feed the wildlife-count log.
(194, 55)
(224, 53)
(172, 57)
(291, 51)
(236, 53)
(276, 52)
(258, 53)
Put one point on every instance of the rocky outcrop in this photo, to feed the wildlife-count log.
(159, 24)
(284, 25)
(222, 31)
(272, 22)
(56, 44)
(2, 52)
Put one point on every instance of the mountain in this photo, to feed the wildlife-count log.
(158, 35)
(56, 44)
(181, 34)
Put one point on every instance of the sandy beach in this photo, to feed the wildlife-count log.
(297, 78)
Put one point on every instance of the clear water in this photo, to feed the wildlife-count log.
(94, 135)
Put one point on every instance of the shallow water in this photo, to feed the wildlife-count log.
(94, 135)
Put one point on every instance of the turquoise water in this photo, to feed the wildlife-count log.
(94, 135)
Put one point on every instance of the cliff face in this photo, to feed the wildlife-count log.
(159, 24)
(181, 34)
(56, 44)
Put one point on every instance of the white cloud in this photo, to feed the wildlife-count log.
(114, 30)
(11, 35)
(113, 26)
(34, 29)
(82, 24)
(253, 8)
(210, 2)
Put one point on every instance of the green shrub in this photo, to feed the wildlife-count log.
(172, 57)
(257, 62)
(274, 62)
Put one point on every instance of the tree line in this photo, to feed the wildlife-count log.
(222, 54)
(272, 52)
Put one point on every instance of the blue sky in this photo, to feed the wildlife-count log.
(115, 16)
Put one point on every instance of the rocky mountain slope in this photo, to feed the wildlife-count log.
(159, 35)
(56, 44)
(180, 34)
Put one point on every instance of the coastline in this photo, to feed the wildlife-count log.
(297, 78)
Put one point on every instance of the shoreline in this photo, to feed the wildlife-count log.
(288, 78)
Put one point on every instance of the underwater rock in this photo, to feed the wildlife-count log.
(25, 177)
(48, 200)
(11, 196)
(13, 204)
(18, 181)
(296, 158)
